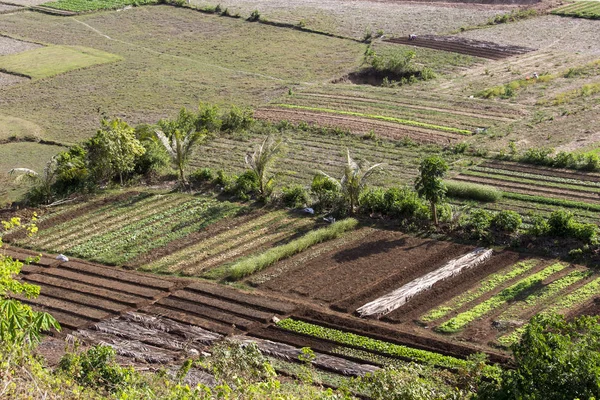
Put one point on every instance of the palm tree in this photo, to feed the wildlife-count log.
(180, 145)
(354, 180)
(261, 162)
(42, 182)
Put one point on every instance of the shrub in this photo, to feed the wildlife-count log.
(202, 175)
(326, 190)
(373, 200)
(208, 118)
(507, 221)
(246, 185)
(478, 222)
(472, 191)
(559, 222)
(226, 181)
(539, 225)
(255, 16)
(295, 196)
(237, 119)
(96, 368)
(538, 156)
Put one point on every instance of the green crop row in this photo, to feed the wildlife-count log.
(461, 320)
(585, 91)
(566, 303)
(509, 89)
(367, 343)
(93, 5)
(106, 241)
(252, 264)
(382, 118)
(549, 291)
(551, 201)
(491, 283)
(531, 181)
(538, 177)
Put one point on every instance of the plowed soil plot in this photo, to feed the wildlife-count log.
(388, 130)
(470, 47)
(351, 276)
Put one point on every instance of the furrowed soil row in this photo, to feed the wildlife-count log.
(196, 252)
(357, 125)
(406, 106)
(265, 239)
(447, 119)
(461, 48)
(554, 172)
(546, 178)
(187, 318)
(187, 244)
(67, 285)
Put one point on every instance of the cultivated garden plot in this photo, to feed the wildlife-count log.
(533, 188)
(120, 231)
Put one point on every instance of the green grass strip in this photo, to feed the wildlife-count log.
(369, 344)
(382, 118)
(551, 201)
(491, 283)
(252, 264)
(461, 320)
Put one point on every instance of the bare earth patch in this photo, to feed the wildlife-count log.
(8, 79)
(7, 8)
(28, 3)
(546, 33)
(14, 46)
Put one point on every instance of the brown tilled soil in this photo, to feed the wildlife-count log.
(446, 290)
(8, 79)
(348, 277)
(533, 169)
(357, 125)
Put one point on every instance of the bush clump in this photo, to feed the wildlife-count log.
(295, 196)
(472, 191)
(507, 221)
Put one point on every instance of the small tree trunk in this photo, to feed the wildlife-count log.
(434, 212)
(121, 177)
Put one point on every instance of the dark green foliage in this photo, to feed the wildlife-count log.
(578, 161)
(295, 196)
(472, 191)
(237, 119)
(208, 118)
(96, 368)
(538, 225)
(563, 224)
(394, 202)
(202, 175)
(513, 16)
(507, 221)
(326, 190)
(478, 223)
(246, 185)
(555, 360)
(430, 183)
(72, 172)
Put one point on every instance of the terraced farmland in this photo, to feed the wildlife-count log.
(128, 226)
(389, 114)
(532, 188)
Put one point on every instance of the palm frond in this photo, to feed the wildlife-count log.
(160, 135)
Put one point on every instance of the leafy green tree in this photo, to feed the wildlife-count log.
(41, 183)
(430, 183)
(261, 162)
(354, 180)
(555, 360)
(113, 150)
(20, 326)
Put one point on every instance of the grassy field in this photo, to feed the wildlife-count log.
(53, 60)
(93, 5)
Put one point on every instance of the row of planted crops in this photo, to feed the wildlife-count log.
(512, 296)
